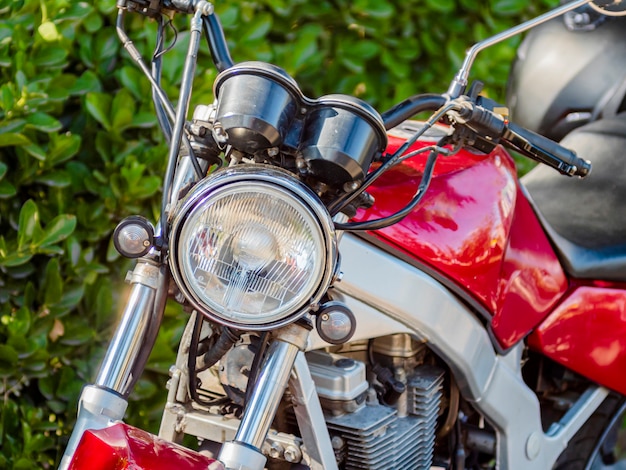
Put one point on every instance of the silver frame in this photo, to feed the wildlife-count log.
(377, 282)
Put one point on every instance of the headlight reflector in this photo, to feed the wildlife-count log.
(250, 253)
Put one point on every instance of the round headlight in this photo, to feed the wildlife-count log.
(252, 250)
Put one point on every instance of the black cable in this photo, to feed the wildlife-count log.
(225, 341)
(170, 24)
(157, 66)
(336, 206)
(193, 371)
(398, 216)
(256, 364)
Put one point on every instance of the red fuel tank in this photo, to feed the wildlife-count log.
(477, 232)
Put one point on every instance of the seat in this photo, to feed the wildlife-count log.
(586, 218)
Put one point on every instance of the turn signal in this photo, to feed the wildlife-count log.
(335, 323)
(133, 237)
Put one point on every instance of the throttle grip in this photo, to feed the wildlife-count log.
(546, 151)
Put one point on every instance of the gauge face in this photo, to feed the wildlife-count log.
(609, 7)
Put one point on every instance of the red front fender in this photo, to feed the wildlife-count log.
(123, 447)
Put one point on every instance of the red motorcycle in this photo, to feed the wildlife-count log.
(356, 305)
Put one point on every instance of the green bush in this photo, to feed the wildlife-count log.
(80, 150)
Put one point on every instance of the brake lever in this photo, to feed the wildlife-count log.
(487, 127)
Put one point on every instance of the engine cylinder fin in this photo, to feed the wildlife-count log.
(425, 390)
(368, 435)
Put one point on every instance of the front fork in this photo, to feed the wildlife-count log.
(105, 402)
(243, 453)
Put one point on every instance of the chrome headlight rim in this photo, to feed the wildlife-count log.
(272, 176)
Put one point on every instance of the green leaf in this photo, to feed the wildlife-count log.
(55, 179)
(20, 322)
(53, 283)
(257, 28)
(10, 139)
(374, 9)
(133, 80)
(3, 169)
(69, 387)
(87, 82)
(508, 7)
(8, 359)
(43, 122)
(50, 56)
(35, 151)
(7, 190)
(99, 106)
(15, 125)
(57, 230)
(143, 120)
(122, 110)
(15, 259)
(28, 224)
(62, 148)
(7, 96)
(76, 11)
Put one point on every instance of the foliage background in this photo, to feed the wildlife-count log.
(79, 150)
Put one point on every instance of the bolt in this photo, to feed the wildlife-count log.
(337, 442)
(276, 450)
(292, 455)
(533, 446)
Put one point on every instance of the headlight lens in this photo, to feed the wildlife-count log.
(251, 254)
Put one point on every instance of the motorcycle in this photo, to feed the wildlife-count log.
(332, 323)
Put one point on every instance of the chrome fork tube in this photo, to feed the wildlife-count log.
(118, 370)
(244, 452)
(105, 402)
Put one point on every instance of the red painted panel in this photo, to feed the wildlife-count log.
(475, 227)
(531, 279)
(587, 333)
(123, 447)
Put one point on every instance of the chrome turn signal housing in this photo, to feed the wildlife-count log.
(252, 248)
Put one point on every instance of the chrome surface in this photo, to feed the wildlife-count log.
(128, 340)
(269, 175)
(262, 69)
(97, 409)
(268, 391)
(238, 456)
(180, 419)
(377, 281)
(185, 175)
(182, 108)
(363, 108)
(266, 396)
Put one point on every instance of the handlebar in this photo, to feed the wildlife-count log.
(480, 117)
(545, 151)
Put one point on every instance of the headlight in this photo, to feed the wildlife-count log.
(252, 250)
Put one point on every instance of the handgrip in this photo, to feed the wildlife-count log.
(546, 151)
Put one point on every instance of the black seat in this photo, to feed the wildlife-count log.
(586, 218)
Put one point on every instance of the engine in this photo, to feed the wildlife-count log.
(381, 400)
(366, 432)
